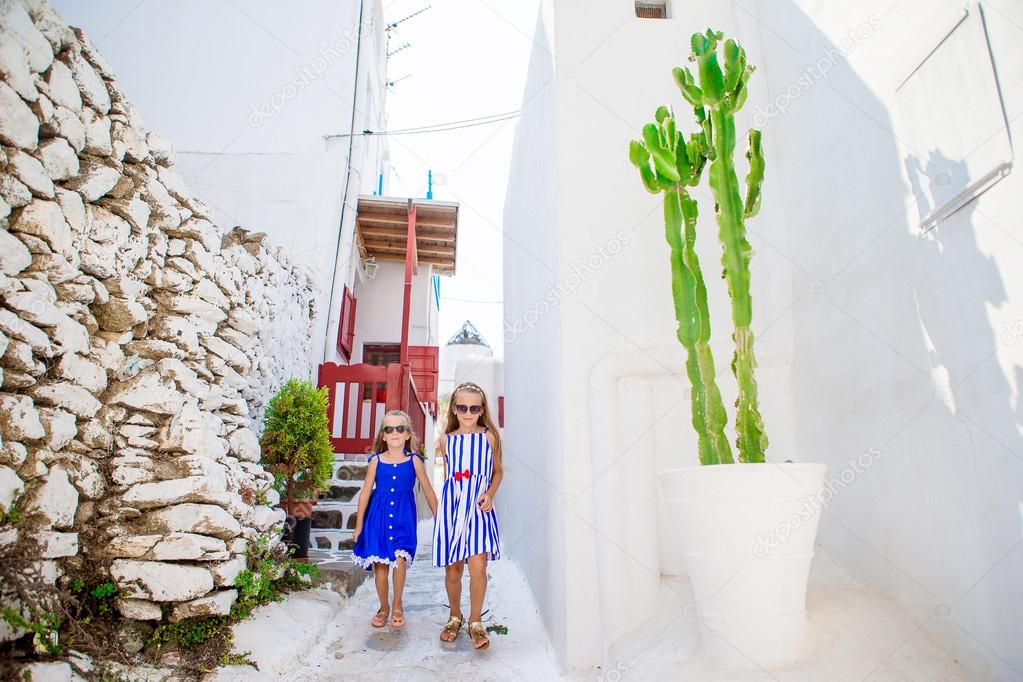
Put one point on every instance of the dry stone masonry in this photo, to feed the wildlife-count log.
(139, 341)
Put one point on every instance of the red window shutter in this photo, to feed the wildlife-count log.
(500, 411)
(346, 325)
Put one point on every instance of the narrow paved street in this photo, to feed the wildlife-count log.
(355, 651)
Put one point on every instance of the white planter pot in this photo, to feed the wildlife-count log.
(747, 533)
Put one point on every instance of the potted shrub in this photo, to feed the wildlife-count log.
(296, 449)
(747, 561)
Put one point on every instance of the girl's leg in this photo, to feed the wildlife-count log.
(398, 578)
(380, 577)
(477, 585)
(453, 584)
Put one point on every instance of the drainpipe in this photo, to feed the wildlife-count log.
(627, 498)
(348, 178)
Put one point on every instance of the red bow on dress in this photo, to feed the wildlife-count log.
(459, 475)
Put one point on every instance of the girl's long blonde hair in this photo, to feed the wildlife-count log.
(412, 444)
(484, 420)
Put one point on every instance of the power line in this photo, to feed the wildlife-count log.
(467, 300)
(440, 127)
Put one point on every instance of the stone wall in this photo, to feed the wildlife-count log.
(139, 342)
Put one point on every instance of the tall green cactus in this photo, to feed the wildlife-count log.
(715, 96)
(669, 164)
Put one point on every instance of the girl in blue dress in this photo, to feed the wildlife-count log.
(385, 527)
(465, 528)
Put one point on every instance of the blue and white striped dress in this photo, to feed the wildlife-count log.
(461, 529)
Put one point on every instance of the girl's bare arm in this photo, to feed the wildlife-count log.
(424, 480)
(367, 490)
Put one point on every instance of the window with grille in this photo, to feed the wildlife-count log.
(652, 10)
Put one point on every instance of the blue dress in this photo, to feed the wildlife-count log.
(389, 529)
(461, 529)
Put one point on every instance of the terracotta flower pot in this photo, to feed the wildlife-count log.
(300, 508)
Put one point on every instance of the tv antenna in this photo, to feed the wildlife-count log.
(404, 19)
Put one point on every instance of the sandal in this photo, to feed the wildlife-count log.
(479, 635)
(397, 618)
(380, 619)
(452, 627)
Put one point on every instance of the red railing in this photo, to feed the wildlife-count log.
(414, 407)
(357, 398)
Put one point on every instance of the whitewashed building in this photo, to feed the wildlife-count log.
(887, 309)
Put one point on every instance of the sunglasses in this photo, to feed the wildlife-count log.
(473, 409)
(400, 428)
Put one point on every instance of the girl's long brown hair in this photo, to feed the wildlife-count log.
(412, 444)
(484, 419)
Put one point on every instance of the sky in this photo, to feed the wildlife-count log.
(467, 59)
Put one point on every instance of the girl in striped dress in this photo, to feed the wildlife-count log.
(465, 529)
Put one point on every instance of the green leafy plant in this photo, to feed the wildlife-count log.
(295, 444)
(672, 164)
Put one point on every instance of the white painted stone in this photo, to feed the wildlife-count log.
(147, 391)
(63, 89)
(13, 454)
(234, 357)
(94, 90)
(56, 498)
(13, 191)
(243, 321)
(16, 26)
(119, 314)
(11, 486)
(184, 376)
(18, 357)
(134, 210)
(44, 219)
(59, 426)
(207, 519)
(14, 69)
(97, 134)
(162, 493)
(138, 609)
(86, 475)
(216, 604)
(17, 328)
(160, 148)
(133, 143)
(14, 257)
(177, 330)
(264, 518)
(94, 180)
(30, 171)
(57, 671)
(82, 371)
(208, 291)
(19, 419)
(71, 397)
(59, 160)
(73, 208)
(179, 190)
(244, 445)
(54, 545)
(205, 316)
(18, 125)
(159, 581)
(67, 124)
(225, 573)
(171, 547)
